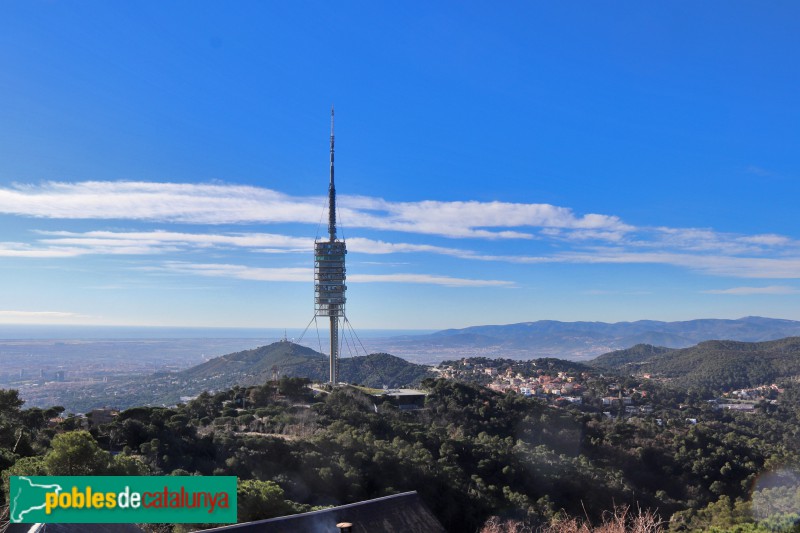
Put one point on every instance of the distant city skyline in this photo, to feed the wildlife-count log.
(167, 165)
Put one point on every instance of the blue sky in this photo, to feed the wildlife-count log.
(166, 163)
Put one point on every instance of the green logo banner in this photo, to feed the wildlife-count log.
(122, 499)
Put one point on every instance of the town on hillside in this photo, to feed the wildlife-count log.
(563, 384)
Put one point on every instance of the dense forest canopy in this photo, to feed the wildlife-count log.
(471, 453)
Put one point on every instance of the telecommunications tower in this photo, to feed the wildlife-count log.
(329, 275)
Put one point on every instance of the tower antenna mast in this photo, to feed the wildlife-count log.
(330, 274)
(332, 194)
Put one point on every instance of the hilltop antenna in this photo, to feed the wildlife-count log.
(332, 194)
(330, 274)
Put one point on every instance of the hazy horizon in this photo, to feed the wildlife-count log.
(77, 332)
(121, 332)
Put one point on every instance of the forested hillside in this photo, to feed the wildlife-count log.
(471, 453)
(251, 367)
(248, 367)
(712, 366)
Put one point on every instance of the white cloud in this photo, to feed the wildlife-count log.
(743, 291)
(32, 314)
(446, 281)
(222, 270)
(707, 240)
(40, 317)
(469, 219)
(549, 234)
(767, 240)
(166, 202)
(70, 244)
(691, 248)
(305, 275)
(241, 204)
(718, 265)
(151, 242)
(18, 249)
(371, 246)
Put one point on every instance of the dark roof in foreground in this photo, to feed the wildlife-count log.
(401, 513)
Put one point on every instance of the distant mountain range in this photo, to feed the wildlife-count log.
(574, 341)
(580, 340)
(251, 367)
(711, 365)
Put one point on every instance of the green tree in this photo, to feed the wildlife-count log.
(123, 465)
(258, 500)
(294, 388)
(76, 454)
(10, 419)
(27, 466)
(10, 402)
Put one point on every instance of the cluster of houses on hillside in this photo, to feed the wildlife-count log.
(558, 386)
(561, 386)
(93, 418)
(745, 400)
(765, 392)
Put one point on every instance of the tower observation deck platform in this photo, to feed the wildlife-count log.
(329, 278)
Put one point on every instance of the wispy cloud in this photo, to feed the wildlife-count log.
(153, 242)
(769, 255)
(719, 265)
(241, 204)
(744, 291)
(162, 202)
(548, 234)
(18, 249)
(706, 240)
(760, 171)
(446, 281)
(223, 270)
(70, 244)
(470, 219)
(303, 275)
(36, 314)
(40, 317)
